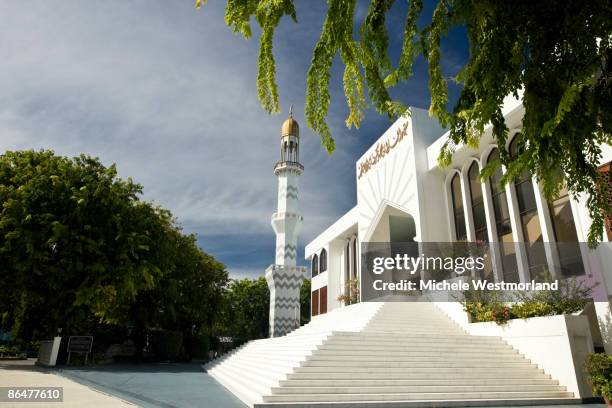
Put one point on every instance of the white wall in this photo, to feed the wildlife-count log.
(557, 344)
(394, 179)
(335, 262)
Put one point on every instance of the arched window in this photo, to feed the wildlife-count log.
(565, 235)
(502, 223)
(459, 215)
(323, 261)
(530, 221)
(314, 267)
(478, 207)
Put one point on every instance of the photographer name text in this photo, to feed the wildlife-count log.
(445, 285)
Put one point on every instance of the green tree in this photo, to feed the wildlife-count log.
(246, 307)
(80, 250)
(188, 295)
(305, 302)
(556, 52)
(245, 310)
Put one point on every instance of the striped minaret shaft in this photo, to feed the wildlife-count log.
(284, 277)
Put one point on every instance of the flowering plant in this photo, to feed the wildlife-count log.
(351, 292)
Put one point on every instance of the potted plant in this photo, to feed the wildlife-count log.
(599, 372)
(351, 292)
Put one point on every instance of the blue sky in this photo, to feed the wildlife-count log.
(168, 94)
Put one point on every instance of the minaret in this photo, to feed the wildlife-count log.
(284, 277)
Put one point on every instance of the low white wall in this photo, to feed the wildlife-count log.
(557, 344)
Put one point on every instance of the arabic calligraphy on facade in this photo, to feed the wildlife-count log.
(381, 150)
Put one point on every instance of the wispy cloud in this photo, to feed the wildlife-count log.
(169, 95)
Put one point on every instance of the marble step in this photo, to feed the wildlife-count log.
(524, 402)
(421, 346)
(399, 389)
(396, 340)
(412, 328)
(240, 389)
(349, 364)
(370, 382)
(251, 378)
(424, 396)
(407, 336)
(454, 358)
(484, 371)
(407, 351)
(278, 361)
(419, 375)
(411, 336)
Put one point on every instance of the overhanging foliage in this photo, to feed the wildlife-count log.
(557, 53)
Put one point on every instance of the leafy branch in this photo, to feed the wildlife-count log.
(554, 54)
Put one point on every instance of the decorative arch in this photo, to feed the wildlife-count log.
(476, 201)
(501, 211)
(456, 206)
(512, 136)
(449, 201)
(384, 208)
(468, 164)
(484, 157)
(323, 261)
(314, 265)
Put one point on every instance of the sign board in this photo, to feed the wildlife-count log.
(80, 344)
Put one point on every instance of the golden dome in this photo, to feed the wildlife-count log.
(290, 126)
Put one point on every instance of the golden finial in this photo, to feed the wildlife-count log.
(290, 126)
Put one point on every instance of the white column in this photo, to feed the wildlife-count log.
(494, 251)
(358, 262)
(450, 211)
(466, 195)
(548, 232)
(517, 233)
(345, 275)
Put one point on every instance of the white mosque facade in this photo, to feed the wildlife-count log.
(403, 194)
(421, 353)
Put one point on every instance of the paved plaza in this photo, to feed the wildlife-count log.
(24, 373)
(157, 385)
(122, 385)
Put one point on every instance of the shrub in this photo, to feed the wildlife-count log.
(6, 351)
(166, 344)
(487, 306)
(599, 371)
(571, 297)
(532, 308)
(351, 292)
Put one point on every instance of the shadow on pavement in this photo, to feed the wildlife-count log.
(171, 385)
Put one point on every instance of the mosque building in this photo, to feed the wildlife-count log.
(426, 352)
(404, 195)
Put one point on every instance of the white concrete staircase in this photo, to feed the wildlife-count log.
(394, 354)
(251, 371)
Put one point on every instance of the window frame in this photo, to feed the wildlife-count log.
(314, 266)
(479, 202)
(458, 212)
(323, 261)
